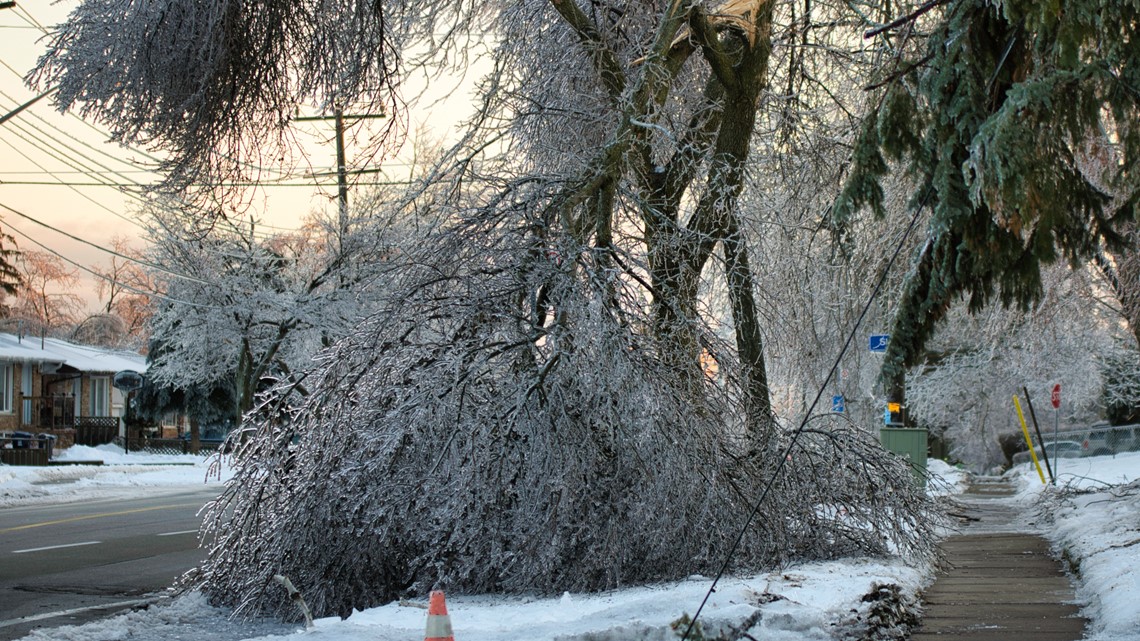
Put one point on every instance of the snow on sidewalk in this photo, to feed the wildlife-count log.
(1093, 520)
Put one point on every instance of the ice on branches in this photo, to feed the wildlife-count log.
(504, 425)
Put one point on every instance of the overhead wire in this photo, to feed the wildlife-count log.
(109, 279)
(139, 261)
(23, 13)
(81, 168)
(73, 188)
(127, 186)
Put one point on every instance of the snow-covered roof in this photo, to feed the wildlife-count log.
(83, 358)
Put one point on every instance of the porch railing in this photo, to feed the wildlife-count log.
(49, 412)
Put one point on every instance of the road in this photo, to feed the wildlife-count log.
(72, 563)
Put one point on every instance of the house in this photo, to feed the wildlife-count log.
(55, 387)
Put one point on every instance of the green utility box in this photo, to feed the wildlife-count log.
(909, 443)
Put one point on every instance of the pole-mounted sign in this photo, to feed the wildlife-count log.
(1055, 397)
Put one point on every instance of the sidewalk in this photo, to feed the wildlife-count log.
(999, 582)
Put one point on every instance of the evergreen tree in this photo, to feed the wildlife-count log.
(994, 116)
(9, 273)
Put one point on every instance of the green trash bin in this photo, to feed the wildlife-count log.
(909, 443)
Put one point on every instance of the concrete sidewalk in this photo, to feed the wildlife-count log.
(999, 582)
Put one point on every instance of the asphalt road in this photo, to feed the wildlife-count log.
(71, 563)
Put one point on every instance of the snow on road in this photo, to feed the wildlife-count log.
(806, 602)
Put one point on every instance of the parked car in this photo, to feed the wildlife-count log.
(1104, 439)
(211, 438)
(1056, 450)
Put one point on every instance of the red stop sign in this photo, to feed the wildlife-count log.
(1055, 397)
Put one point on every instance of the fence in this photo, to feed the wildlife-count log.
(96, 430)
(21, 448)
(151, 445)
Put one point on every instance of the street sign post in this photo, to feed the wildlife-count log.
(1055, 398)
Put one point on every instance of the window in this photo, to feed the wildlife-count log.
(7, 389)
(100, 396)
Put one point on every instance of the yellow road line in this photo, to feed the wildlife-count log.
(101, 515)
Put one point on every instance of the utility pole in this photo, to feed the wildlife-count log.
(7, 4)
(341, 180)
(338, 119)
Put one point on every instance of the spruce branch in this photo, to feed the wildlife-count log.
(910, 17)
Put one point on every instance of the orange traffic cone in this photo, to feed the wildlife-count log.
(438, 623)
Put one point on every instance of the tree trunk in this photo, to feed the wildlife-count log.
(195, 436)
(1123, 274)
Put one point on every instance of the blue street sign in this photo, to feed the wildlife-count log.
(878, 342)
(838, 405)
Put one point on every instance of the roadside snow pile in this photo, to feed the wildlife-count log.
(811, 602)
(945, 479)
(188, 617)
(114, 455)
(118, 473)
(1094, 519)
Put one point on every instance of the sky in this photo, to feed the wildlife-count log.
(1092, 513)
(63, 172)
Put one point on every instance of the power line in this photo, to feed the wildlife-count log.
(124, 188)
(78, 140)
(23, 12)
(109, 279)
(72, 187)
(127, 185)
(58, 172)
(144, 263)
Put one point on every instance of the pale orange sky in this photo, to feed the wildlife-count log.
(99, 213)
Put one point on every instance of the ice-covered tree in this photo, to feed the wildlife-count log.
(974, 364)
(9, 269)
(550, 359)
(124, 288)
(498, 426)
(238, 308)
(46, 303)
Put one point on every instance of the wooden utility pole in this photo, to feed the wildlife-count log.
(341, 181)
(338, 119)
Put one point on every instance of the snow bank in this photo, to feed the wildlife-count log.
(188, 617)
(1092, 519)
(945, 479)
(116, 475)
(805, 603)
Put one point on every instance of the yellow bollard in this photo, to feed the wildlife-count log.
(1025, 432)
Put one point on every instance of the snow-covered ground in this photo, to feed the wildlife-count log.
(120, 475)
(1093, 519)
(814, 601)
